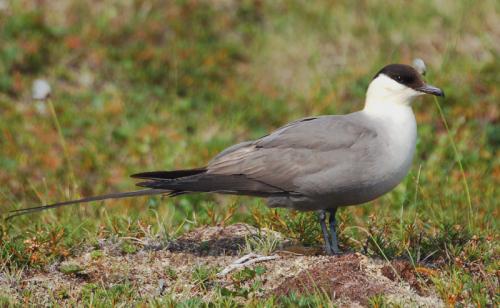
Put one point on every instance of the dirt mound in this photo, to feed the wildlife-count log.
(188, 267)
(214, 241)
(354, 278)
(338, 276)
(402, 269)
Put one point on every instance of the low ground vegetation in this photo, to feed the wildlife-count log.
(145, 85)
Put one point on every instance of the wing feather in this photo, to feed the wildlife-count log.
(297, 150)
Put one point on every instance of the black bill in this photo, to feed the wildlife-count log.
(431, 90)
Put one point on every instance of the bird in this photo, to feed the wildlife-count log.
(318, 163)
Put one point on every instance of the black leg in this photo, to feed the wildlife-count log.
(326, 237)
(333, 232)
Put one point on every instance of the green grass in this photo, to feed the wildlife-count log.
(139, 86)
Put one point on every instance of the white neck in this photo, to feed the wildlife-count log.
(389, 103)
(385, 95)
(388, 106)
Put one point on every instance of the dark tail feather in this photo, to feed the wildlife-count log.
(144, 192)
(237, 184)
(168, 175)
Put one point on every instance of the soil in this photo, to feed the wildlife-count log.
(349, 280)
(402, 269)
(338, 276)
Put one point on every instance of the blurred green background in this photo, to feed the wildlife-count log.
(152, 85)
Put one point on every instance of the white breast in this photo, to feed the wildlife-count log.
(397, 122)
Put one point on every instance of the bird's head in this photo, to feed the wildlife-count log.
(398, 84)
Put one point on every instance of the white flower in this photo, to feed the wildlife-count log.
(419, 65)
(4, 5)
(40, 89)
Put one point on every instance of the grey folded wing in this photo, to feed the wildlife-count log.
(302, 156)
